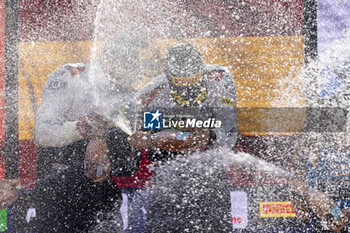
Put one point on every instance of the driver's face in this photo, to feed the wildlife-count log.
(120, 74)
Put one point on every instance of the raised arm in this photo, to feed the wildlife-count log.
(52, 127)
(225, 109)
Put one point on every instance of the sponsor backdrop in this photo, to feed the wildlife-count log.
(260, 51)
(261, 42)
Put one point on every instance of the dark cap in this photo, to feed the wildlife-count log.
(125, 47)
(182, 60)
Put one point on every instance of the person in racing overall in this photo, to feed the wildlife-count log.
(321, 186)
(8, 192)
(79, 146)
(203, 97)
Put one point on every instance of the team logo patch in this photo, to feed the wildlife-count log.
(57, 84)
(152, 120)
(76, 70)
(182, 81)
(276, 209)
(228, 101)
(216, 75)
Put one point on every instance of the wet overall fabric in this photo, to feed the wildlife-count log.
(66, 200)
(190, 193)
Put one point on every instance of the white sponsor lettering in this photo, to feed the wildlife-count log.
(239, 209)
(31, 213)
(124, 210)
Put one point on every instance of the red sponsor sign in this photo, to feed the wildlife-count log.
(276, 209)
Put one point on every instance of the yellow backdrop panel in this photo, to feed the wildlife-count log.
(264, 69)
